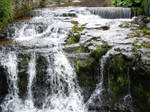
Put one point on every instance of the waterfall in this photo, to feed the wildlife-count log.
(61, 92)
(9, 61)
(50, 83)
(111, 12)
(32, 75)
(65, 94)
(100, 87)
(97, 94)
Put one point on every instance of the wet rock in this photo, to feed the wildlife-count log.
(69, 14)
(81, 56)
(126, 82)
(40, 27)
(126, 25)
(91, 43)
(40, 86)
(100, 50)
(148, 25)
(87, 76)
(140, 20)
(87, 69)
(139, 87)
(23, 60)
(3, 83)
(118, 81)
(3, 35)
(72, 47)
(87, 64)
(7, 31)
(35, 27)
(146, 19)
(105, 27)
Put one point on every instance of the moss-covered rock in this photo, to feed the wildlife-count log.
(40, 84)
(88, 73)
(128, 78)
(75, 33)
(119, 81)
(140, 81)
(99, 51)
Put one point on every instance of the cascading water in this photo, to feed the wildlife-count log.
(65, 94)
(100, 87)
(112, 12)
(9, 61)
(97, 94)
(32, 74)
(42, 38)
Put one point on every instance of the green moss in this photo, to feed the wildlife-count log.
(99, 51)
(87, 73)
(27, 59)
(77, 66)
(81, 49)
(147, 20)
(143, 97)
(75, 33)
(118, 78)
(125, 26)
(146, 31)
(88, 70)
(144, 44)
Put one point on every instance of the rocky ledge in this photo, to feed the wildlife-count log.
(125, 68)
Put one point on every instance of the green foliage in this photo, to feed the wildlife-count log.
(6, 11)
(140, 11)
(77, 66)
(146, 4)
(75, 33)
(127, 3)
(143, 4)
(146, 31)
(118, 78)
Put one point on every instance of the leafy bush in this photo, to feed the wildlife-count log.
(6, 11)
(144, 4)
(127, 3)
